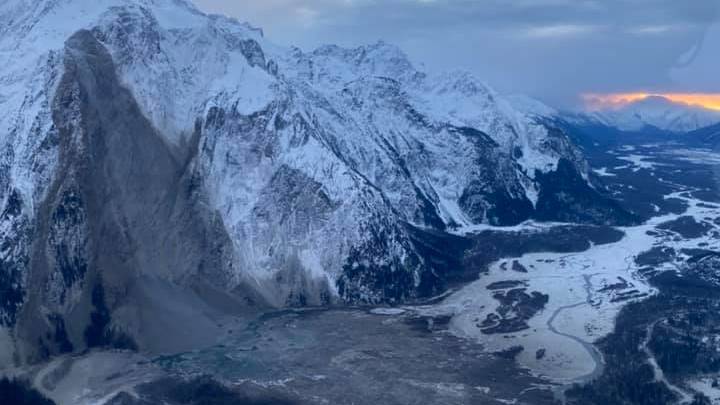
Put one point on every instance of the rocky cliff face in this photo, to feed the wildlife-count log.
(161, 167)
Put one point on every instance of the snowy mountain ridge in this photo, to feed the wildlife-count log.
(150, 149)
(654, 111)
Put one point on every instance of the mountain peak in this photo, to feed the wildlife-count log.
(654, 101)
(531, 106)
(378, 59)
(53, 21)
(39, 7)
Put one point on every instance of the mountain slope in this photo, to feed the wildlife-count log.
(162, 167)
(708, 136)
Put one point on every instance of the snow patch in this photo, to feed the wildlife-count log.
(603, 172)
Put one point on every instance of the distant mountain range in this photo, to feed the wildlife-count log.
(653, 112)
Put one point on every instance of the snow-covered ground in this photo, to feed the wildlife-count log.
(93, 378)
(639, 162)
(586, 291)
(527, 226)
(603, 172)
(698, 156)
(709, 387)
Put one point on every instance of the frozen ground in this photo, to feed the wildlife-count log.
(586, 290)
(708, 386)
(529, 225)
(603, 172)
(92, 378)
(639, 162)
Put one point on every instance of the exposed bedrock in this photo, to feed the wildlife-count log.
(124, 253)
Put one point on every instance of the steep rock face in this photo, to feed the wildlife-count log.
(119, 211)
(161, 167)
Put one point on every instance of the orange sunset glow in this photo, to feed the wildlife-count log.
(710, 101)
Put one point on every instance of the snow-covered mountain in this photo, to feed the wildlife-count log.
(654, 112)
(160, 165)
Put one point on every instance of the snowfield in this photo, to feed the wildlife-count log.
(586, 291)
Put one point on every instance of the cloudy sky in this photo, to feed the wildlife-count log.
(551, 49)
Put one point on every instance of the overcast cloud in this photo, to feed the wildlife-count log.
(550, 49)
